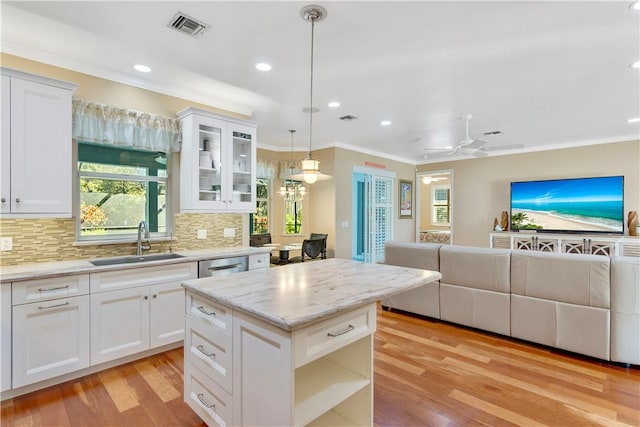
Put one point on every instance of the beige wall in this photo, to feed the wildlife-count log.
(42, 240)
(481, 186)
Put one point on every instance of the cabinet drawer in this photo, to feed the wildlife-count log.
(210, 351)
(213, 315)
(206, 398)
(46, 289)
(329, 335)
(120, 279)
(259, 261)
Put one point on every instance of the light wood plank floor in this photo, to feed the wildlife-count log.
(427, 373)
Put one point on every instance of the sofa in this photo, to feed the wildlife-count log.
(586, 304)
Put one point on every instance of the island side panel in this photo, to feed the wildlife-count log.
(263, 374)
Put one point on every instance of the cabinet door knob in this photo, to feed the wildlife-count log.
(3, 200)
(155, 295)
(17, 199)
(146, 297)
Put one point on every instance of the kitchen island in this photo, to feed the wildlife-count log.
(288, 346)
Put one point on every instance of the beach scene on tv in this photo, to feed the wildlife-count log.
(576, 205)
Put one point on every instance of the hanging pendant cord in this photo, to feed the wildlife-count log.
(313, 22)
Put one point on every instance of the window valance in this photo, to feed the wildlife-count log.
(108, 125)
(289, 168)
(266, 169)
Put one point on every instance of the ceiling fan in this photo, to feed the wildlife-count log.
(468, 146)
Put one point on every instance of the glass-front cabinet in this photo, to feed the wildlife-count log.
(218, 163)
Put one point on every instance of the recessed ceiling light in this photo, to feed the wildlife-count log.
(142, 68)
(334, 104)
(385, 123)
(448, 147)
(635, 65)
(636, 5)
(263, 66)
(634, 120)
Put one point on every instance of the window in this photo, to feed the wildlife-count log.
(118, 188)
(441, 205)
(293, 216)
(260, 219)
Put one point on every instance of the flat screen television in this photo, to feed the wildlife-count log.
(578, 205)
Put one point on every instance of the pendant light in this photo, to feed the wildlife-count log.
(311, 167)
(292, 190)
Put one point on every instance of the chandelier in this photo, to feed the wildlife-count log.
(292, 189)
(311, 167)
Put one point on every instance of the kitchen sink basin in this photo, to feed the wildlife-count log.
(133, 259)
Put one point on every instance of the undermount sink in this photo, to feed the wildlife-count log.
(133, 259)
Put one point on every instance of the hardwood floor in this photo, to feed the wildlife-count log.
(427, 373)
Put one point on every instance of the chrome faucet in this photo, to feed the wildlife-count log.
(143, 226)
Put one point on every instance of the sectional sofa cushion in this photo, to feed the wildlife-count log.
(474, 289)
(625, 310)
(471, 267)
(424, 300)
(570, 278)
(414, 255)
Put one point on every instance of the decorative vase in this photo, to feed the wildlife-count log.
(632, 223)
(504, 220)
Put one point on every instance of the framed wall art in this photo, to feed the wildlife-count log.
(405, 194)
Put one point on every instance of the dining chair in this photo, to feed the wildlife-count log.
(311, 251)
(323, 236)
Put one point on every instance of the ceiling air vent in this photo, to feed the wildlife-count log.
(188, 25)
(348, 118)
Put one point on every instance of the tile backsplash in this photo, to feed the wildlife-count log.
(53, 239)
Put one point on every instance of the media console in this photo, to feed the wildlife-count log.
(596, 244)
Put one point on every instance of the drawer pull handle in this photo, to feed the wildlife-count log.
(53, 306)
(202, 310)
(224, 267)
(210, 406)
(201, 349)
(53, 289)
(344, 331)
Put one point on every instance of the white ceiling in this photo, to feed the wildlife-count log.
(546, 74)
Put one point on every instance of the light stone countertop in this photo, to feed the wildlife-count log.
(17, 273)
(296, 295)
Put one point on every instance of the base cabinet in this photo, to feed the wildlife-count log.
(50, 338)
(137, 315)
(318, 375)
(5, 337)
(119, 324)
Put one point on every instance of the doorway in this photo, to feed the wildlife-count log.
(372, 209)
(434, 207)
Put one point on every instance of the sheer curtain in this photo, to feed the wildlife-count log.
(108, 125)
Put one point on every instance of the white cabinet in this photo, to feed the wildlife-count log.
(321, 374)
(137, 309)
(5, 337)
(257, 261)
(567, 243)
(50, 335)
(36, 142)
(217, 163)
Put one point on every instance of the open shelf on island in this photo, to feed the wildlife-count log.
(321, 385)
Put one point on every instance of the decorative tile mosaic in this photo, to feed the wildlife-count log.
(52, 239)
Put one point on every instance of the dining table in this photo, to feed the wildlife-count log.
(283, 250)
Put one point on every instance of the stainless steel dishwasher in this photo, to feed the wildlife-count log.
(222, 266)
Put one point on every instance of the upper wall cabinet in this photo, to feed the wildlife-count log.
(36, 154)
(217, 163)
